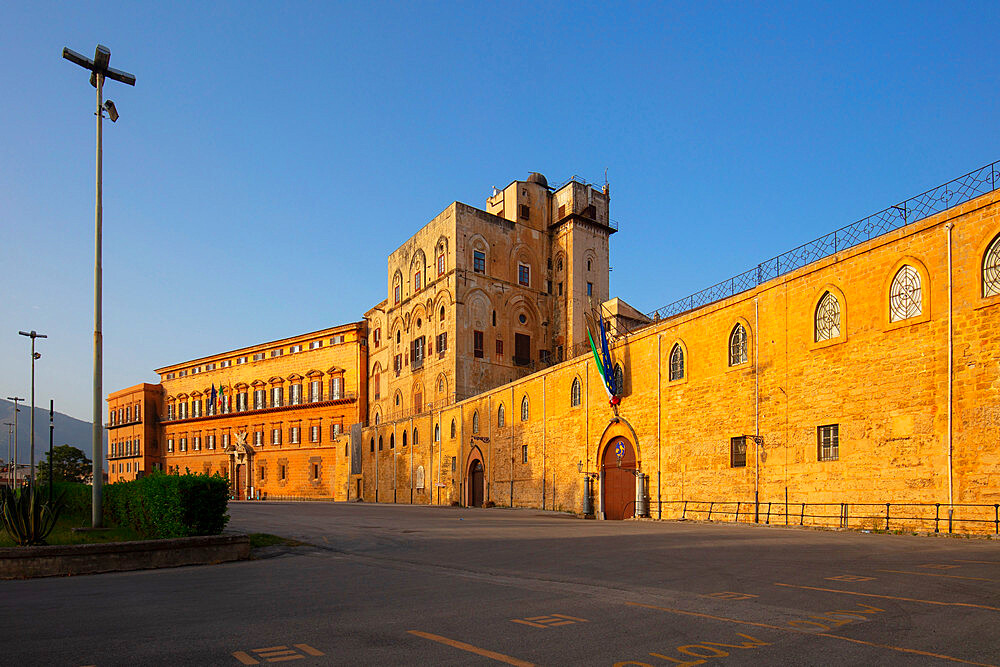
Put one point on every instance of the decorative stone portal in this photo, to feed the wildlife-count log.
(241, 467)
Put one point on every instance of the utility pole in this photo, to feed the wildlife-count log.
(99, 70)
(52, 427)
(10, 452)
(34, 355)
(13, 475)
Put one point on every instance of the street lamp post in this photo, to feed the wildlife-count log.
(99, 70)
(13, 475)
(34, 355)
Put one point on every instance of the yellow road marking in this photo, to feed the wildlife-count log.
(930, 574)
(572, 618)
(815, 634)
(270, 648)
(245, 658)
(287, 657)
(306, 648)
(500, 657)
(890, 597)
(981, 562)
(527, 622)
(850, 577)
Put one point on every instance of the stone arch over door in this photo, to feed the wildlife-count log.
(475, 478)
(618, 483)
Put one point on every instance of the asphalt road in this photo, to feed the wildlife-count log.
(402, 585)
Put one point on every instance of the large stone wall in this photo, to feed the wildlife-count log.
(885, 384)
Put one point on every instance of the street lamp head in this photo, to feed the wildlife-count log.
(102, 56)
(37, 355)
(112, 111)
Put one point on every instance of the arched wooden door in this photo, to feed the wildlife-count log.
(618, 480)
(476, 483)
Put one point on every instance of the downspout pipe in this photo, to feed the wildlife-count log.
(756, 418)
(951, 372)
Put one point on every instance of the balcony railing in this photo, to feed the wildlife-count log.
(344, 396)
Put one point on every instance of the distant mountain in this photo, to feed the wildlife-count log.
(68, 431)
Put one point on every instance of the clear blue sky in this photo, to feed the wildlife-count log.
(272, 154)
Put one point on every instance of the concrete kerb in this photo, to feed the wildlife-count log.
(67, 560)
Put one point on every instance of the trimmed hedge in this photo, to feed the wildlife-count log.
(164, 506)
(77, 497)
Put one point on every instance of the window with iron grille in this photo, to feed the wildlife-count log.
(574, 393)
(827, 318)
(738, 452)
(905, 296)
(676, 362)
(477, 344)
(479, 261)
(828, 442)
(737, 345)
(524, 409)
(991, 269)
(453, 428)
(475, 422)
(501, 418)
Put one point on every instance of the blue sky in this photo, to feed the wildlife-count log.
(272, 154)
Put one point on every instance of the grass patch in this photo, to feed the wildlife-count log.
(63, 533)
(258, 540)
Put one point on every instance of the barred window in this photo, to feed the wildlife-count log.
(991, 269)
(437, 432)
(453, 428)
(524, 453)
(574, 393)
(827, 318)
(828, 442)
(676, 362)
(524, 409)
(738, 452)
(501, 419)
(905, 299)
(619, 376)
(738, 345)
(475, 422)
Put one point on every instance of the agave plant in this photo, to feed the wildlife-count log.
(27, 518)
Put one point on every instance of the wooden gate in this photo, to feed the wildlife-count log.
(476, 484)
(618, 480)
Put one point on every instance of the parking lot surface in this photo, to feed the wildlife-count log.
(392, 585)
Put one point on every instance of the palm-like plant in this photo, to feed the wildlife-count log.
(27, 518)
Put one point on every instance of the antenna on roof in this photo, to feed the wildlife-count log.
(607, 188)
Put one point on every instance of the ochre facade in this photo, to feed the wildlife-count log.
(869, 376)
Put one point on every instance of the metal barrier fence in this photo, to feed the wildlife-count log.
(957, 191)
(964, 517)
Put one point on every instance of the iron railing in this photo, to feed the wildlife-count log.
(872, 516)
(957, 191)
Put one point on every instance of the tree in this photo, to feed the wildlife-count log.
(69, 464)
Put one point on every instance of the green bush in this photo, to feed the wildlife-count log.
(77, 498)
(163, 506)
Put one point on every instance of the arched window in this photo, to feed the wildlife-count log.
(380, 443)
(376, 418)
(397, 398)
(905, 297)
(453, 428)
(404, 438)
(619, 376)
(574, 393)
(991, 269)
(373, 444)
(475, 422)
(737, 345)
(524, 408)
(442, 314)
(437, 432)
(827, 318)
(392, 441)
(500, 417)
(415, 437)
(676, 362)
